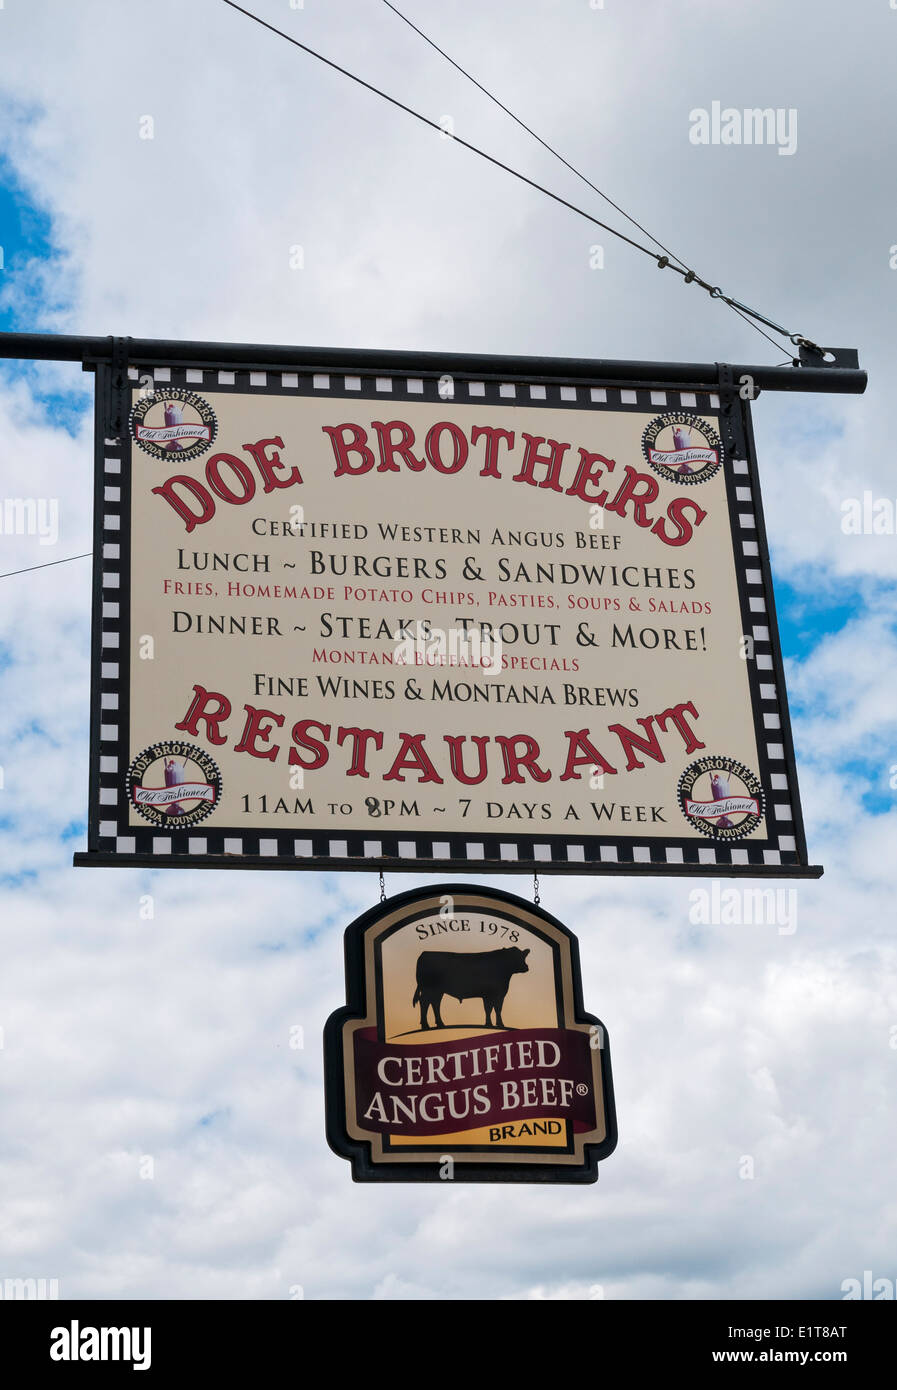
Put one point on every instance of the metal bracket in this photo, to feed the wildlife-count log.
(813, 356)
(118, 382)
(727, 394)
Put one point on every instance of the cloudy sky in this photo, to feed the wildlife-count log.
(127, 1037)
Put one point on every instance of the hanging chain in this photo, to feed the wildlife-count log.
(536, 898)
(382, 887)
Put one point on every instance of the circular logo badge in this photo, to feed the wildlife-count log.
(174, 784)
(173, 422)
(682, 448)
(721, 797)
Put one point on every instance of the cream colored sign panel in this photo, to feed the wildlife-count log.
(370, 614)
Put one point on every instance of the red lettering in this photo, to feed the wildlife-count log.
(342, 448)
(514, 760)
(579, 739)
(268, 466)
(402, 447)
(676, 713)
(360, 740)
(553, 460)
(587, 473)
(459, 440)
(628, 493)
(319, 751)
(631, 741)
(493, 439)
(412, 755)
(190, 519)
(456, 756)
(684, 529)
(212, 717)
(254, 729)
(219, 486)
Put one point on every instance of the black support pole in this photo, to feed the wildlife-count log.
(49, 347)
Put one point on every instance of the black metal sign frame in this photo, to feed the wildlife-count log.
(112, 841)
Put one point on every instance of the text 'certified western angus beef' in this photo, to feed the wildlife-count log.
(461, 1060)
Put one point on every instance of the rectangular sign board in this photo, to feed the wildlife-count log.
(369, 619)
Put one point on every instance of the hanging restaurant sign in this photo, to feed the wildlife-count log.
(501, 622)
(463, 1052)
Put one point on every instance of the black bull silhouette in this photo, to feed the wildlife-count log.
(482, 975)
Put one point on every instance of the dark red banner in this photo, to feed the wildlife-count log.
(490, 1079)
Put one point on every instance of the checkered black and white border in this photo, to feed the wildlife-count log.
(111, 835)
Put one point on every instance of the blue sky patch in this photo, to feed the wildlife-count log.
(28, 258)
(810, 611)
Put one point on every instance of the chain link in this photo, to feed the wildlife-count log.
(536, 898)
(382, 887)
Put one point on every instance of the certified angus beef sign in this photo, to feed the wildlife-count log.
(463, 1051)
(370, 617)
